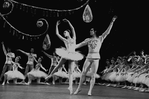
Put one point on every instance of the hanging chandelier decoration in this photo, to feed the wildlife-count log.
(87, 14)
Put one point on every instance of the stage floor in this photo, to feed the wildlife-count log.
(61, 92)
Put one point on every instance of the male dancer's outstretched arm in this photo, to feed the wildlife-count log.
(104, 35)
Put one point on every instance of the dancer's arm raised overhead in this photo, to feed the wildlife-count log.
(72, 28)
(4, 49)
(57, 32)
(104, 35)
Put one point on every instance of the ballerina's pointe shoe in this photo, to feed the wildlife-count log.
(89, 94)
(70, 90)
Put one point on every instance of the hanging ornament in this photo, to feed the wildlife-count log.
(39, 23)
(6, 4)
(87, 14)
(46, 43)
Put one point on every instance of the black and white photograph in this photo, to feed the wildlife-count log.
(74, 49)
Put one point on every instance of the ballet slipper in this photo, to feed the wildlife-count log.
(77, 91)
(3, 83)
(89, 93)
(70, 90)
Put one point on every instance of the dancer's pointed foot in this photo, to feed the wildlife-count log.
(70, 90)
(3, 83)
(77, 91)
(89, 93)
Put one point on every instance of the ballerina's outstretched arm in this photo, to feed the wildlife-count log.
(4, 49)
(43, 67)
(49, 56)
(104, 35)
(57, 32)
(26, 53)
(19, 66)
(72, 28)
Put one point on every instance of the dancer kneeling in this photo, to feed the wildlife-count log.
(36, 73)
(14, 74)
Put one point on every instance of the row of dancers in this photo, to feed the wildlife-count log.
(67, 53)
(128, 72)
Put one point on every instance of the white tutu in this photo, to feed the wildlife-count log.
(69, 55)
(37, 73)
(112, 76)
(14, 74)
(76, 74)
(120, 77)
(18, 75)
(106, 76)
(61, 73)
(10, 75)
(89, 74)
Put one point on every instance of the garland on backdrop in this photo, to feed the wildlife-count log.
(87, 17)
(45, 11)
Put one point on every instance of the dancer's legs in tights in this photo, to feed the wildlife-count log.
(71, 68)
(60, 64)
(86, 67)
(94, 68)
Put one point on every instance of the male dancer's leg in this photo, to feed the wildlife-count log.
(94, 68)
(86, 67)
(61, 62)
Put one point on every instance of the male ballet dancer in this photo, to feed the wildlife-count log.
(92, 60)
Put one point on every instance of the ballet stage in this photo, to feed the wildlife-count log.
(61, 92)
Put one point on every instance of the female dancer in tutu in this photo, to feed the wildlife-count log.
(14, 74)
(30, 62)
(8, 63)
(37, 73)
(67, 53)
(92, 59)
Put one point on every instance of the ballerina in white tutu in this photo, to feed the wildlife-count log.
(8, 63)
(36, 73)
(67, 53)
(14, 74)
(92, 60)
(31, 59)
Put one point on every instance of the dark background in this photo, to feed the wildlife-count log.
(129, 32)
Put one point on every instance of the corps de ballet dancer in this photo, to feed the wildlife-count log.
(92, 60)
(54, 62)
(67, 53)
(31, 58)
(8, 63)
(14, 74)
(36, 73)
